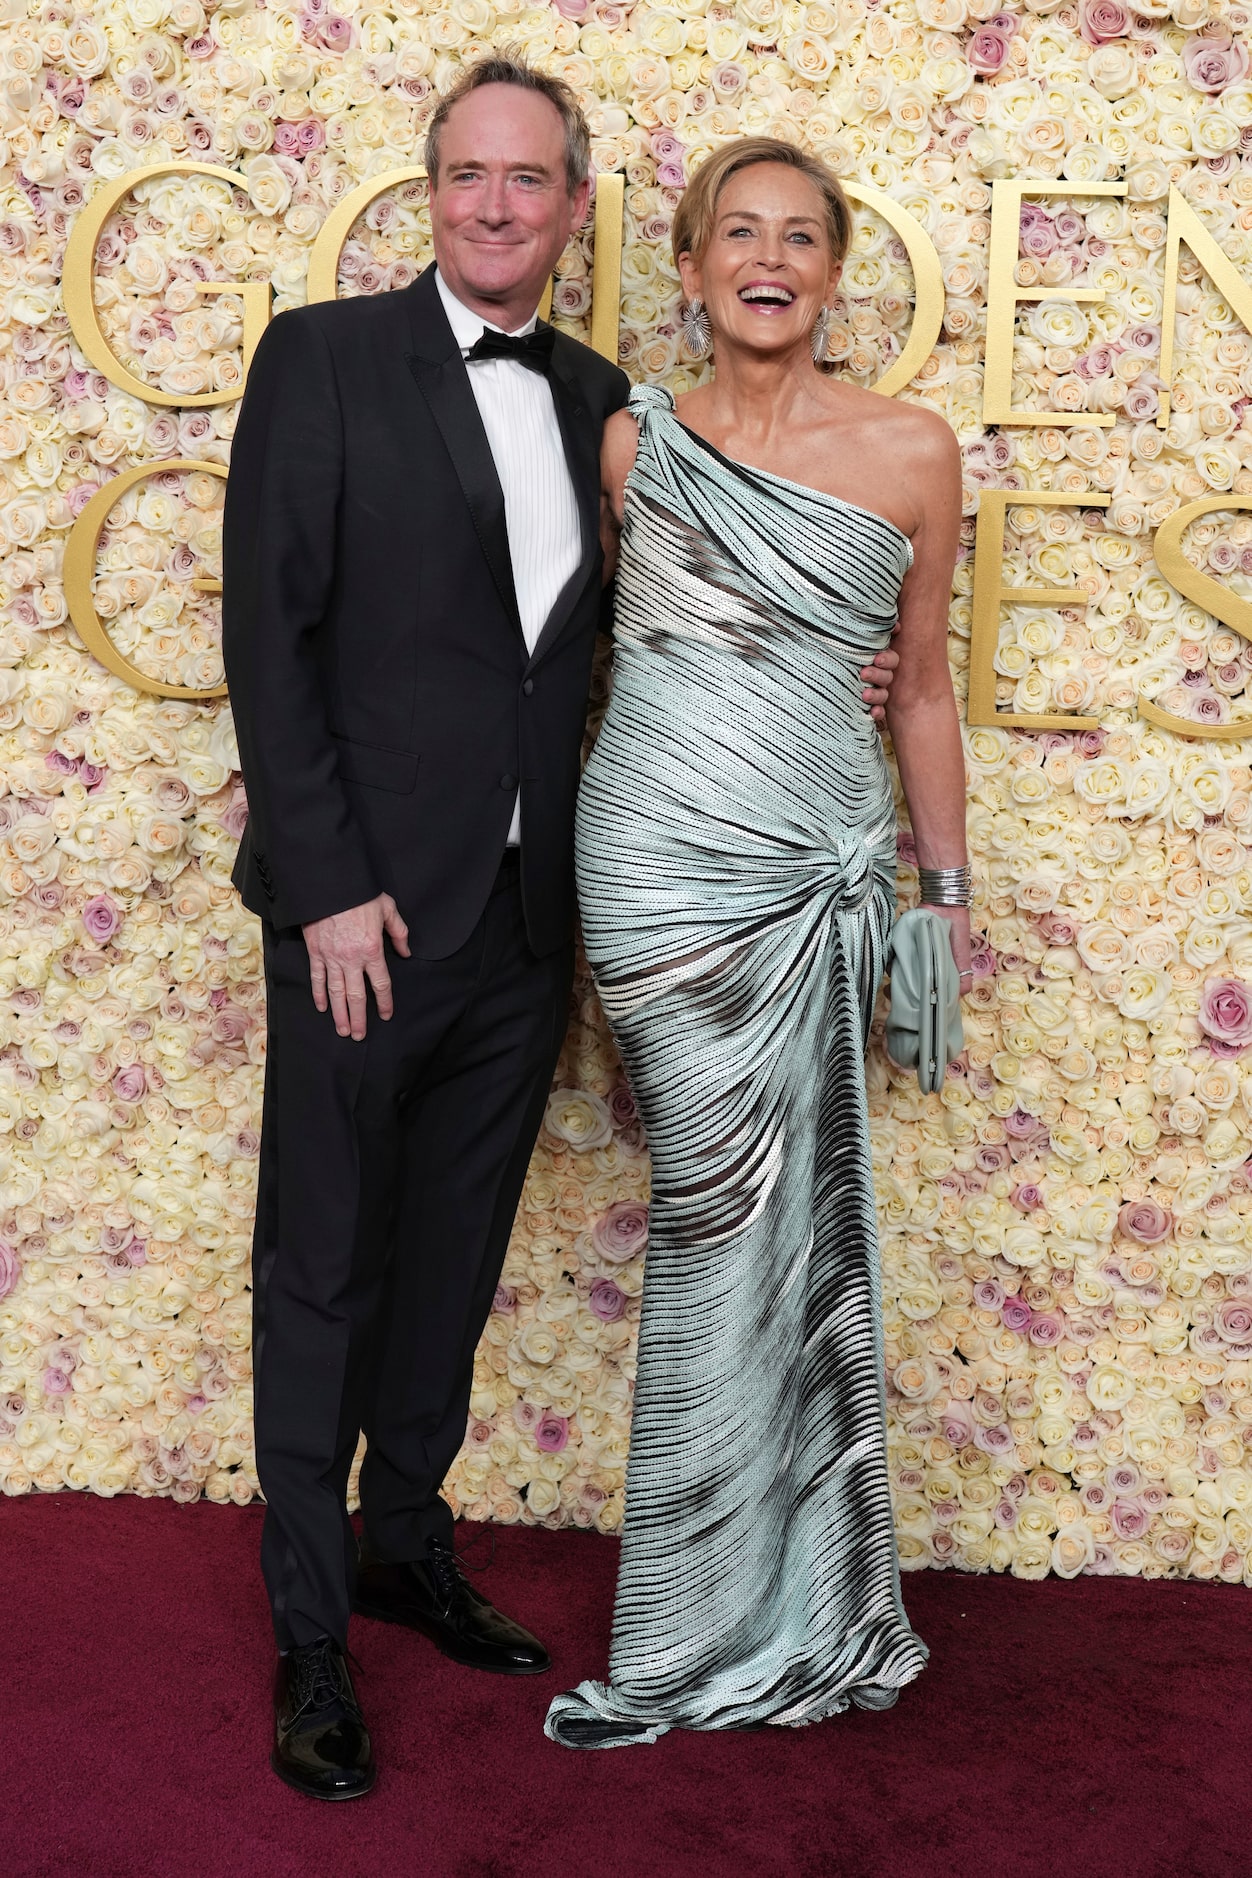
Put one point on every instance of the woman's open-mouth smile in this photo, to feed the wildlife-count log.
(766, 296)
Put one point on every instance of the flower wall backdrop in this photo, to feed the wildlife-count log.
(1066, 1228)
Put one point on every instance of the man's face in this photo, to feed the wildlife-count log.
(501, 210)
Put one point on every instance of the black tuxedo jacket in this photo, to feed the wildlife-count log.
(385, 704)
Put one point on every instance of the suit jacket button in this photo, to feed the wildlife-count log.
(508, 782)
(528, 687)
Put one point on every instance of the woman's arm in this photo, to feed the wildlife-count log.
(617, 459)
(921, 711)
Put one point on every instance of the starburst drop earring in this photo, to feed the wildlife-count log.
(820, 338)
(697, 333)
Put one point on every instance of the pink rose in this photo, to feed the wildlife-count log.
(130, 1084)
(551, 1433)
(1059, 929)
(621, 1105)
(505, 1299)
(1145, 1221)
(1130, 1520)
(9, 1269)
(1234, 1320)
(1036, 235)
(1047, 1328)
(621, 1232)
(989, 1294)
(1226, 1011)
(1099, 20)
(607, 1300)
(1213, 63)
(986, 49)
(101, 919)
(235, 815)
(336, 34)
(231, 1025)
(981, 957)
(1016, 1313)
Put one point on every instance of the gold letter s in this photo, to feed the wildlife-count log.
(1202, 590)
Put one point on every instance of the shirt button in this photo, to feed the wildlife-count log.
(508, 782)
(528, 687)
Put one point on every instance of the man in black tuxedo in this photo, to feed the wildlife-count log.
(412, 587)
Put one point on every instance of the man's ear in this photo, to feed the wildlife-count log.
(579, 203)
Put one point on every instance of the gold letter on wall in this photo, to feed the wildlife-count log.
(1202, 590)
(77, 289)
(1004, 295)
(1185, 225)
(928, 296)
(79, 572)
(990, 594)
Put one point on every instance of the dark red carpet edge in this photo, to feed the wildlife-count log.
(1096, 1727)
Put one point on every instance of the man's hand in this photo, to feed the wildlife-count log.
(878, 677)
(344, 951)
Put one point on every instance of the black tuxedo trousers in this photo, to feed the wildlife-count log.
(391, 1173)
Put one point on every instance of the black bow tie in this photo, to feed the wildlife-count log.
(533, 350)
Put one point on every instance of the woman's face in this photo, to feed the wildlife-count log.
(767, 271)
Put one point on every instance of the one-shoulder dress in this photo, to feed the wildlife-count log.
(736, 866)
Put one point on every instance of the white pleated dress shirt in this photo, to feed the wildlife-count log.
(540, 508)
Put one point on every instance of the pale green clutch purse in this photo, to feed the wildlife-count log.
(924, 1011)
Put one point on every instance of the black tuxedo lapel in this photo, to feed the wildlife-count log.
(443, 381)
(582, 454)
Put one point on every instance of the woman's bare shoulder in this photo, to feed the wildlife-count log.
(617, 451)
(914, 427)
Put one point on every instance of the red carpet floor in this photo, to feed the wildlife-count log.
(1099, 1727)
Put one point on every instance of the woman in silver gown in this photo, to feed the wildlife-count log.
(737, 860)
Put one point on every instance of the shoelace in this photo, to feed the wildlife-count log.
(445, 1569)
(317, 1679)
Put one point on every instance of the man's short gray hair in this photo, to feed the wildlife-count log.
(508, 68)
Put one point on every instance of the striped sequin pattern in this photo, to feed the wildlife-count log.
(736, 857)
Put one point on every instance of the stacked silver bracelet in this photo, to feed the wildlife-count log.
(946, 886)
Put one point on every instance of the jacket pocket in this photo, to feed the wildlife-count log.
(377, 768)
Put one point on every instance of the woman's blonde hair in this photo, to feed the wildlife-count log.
(697, 210)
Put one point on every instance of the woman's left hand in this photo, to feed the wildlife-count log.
(958, 931)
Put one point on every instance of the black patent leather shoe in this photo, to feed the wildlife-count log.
(431, 1595)
(321, 1744)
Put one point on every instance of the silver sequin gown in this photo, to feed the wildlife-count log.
(736, 858)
